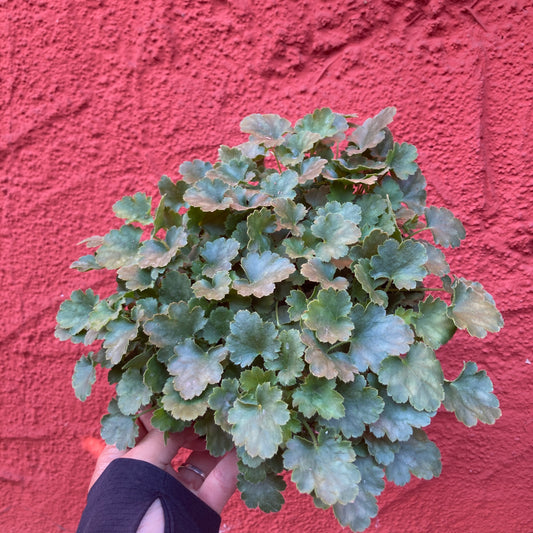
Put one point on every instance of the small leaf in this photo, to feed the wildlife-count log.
(401, 159)
(323, 273)
(403, 263)
(257, 422)
(221, 400)
(473, 309)
(471, 398)
(446, 229)
(289, 214)
(324, 122)
(414, 191)
(83, 377)
(208, 195)
(214, 289)
(416, 378)
(132, 393)
(119, 334)
(194, 171)
(218, 255)
(162, 421)
(362, 406)
(118, 429)
(183, 409)
(280, 185)
(218, 442)
(432, 323)
(327, 468)
(119, 247)
(311, 168)
(297, 305)
(232, 172)
(361, 272)
(135, 208)
(265, 494)
(157, 253)
(172, 193)
(155, 375)
(382, 449)
(258, 225)
(328, 316)
(336, 232)
(289, 362)
(377, 335)
(86, 263)
(250, 337)
(265, 129)
(293, 149)
(436, 263)
(371, 133)
(175, 287)
(194, 369)
(317, 395)
(263, 271)
(217, 326)
(418, 456)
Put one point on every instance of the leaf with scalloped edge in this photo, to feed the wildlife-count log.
(318, 395)
(136, 208)
(158, 253)
(173, 193)
(218, 255)
(175, 287)
(217, 326)
(361, 272)
(357, 514)
(214, 289)
(362, 406)
(297, 302)
(118, 429)
(397, 420)
(117, 338)
(376, 335)
(327, 315)
(295, 145)
(194, 171)
(83, 377)
(250, 337)
(266, 129)
(258, 225)
(262, 272)
(432, 323)
(446, 229)
(257, 421)
(194, 369)
(221, 400)
(416, 378)
(371, 132)
(243, 199)
(323, 363)
(289, 214)
(326, 468)
(414, 191)
(289, 364)
(74, 314)
(232, 172)
(119, 247)
(324, 122)
(132, 393)
(178, 324)
(311, 168)
(336, 233)
(217, 441)
(280, 185)
(180, 408)
(403, 263)
(436, 263)
(348, 210)
(265, 494)
(208, 195)
(473, 309)
(251, 378)
(381, 449)
(323, 273)
(162, 421)
(402, 160)
(417, 456)
(470, 397)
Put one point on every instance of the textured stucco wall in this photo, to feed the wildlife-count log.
(98, 98)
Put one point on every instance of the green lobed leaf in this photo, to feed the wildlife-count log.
(362, 406)
(214, 289)
(132, 393)
(258, 225)
(416, 378)
(163, 421)
(208, 195)
(297, 305)
(251, 379)
(432, 323)
(289, 214)
(280, 185)
(327, 315)
(417, 456)
(311, 168)
(446, 229)
(221, 400)
(402, 160)
(232, 172)
(265, 129)
(257, 421)
(336, 232)
(250, 337)
(194, 171)
(381, 449)
(180, 408)
(376, 335)
(326, 468)
(217, 326)
(218, 255)
(361, 272)
(175, 287)
(289, 364)
(173, 193)
(73, 315)
(371, 132)
(436, 263)
(471, 398)
(83, 377)
(218, 442)
(136, 208)
(324, 122)
(194, 368)
(294, 147)
(155, 375)
(318, 395)
(414, 191)
(157, 253)
(86, 263)
(119, 247)
(323, 273)
(265, 494)
(118, 429)
(473, 309)
(117, 338)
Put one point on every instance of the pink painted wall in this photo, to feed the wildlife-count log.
(98, 98)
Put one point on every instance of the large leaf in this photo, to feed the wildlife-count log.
(118, 429)
(371, 132)
(208, 195)
(262, 272)
(336, 232)
(362, 406)
(418, 456)
(136, 208)
(265, 129)
(250, 337)
(416, 378)
(132, 393)
(73, 315)
(471, 398)
(432, 322)
(257, 421)
(327, 468)
(328, 316)
(119, 247)
(403, 263)
(473, 309)
(318, 395)
(265, 494)
(377, 335)
(324, 122)
(447, 230)
(194, 369)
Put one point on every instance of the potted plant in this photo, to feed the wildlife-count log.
(279, 301)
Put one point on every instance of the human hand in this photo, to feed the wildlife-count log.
(212, 479)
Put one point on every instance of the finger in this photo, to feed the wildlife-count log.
(153, 448)
(221, 483)
(201, 464)
(109, 453)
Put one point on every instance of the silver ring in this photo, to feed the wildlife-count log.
(194, 469)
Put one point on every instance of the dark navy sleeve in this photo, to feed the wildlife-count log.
(121, 496)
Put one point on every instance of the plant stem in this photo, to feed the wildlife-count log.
(277, 160)
(418, 231)
(310, 431)
(337, 345)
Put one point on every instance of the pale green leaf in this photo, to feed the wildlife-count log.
(132, 393)
(158, 253)
(119, 247)
(86, 263)
(232, 172)
(414, 191)
(318, 395)
(381, 449)
(175, 287)
(289, 214)
(136, 208)
(194, 171)
(118, 429)
(297, 305)
(218, 255)
(83, 377)
(119, 334)
(311, 168)
(172, 193)
(155, 375)
(280, 185)
(183, 409)
(323, 273)
(208, 195)
(217, 326)
(471, 398)
(294, 147)
(265, 129)
(258, 225)
(336, 232)
(401, 159)
(221, 400)
(432, 323)
(265, 494)
(289, 364)
(251, 379)
(371, 132)
(324, 122)
(446, 229)
(137, 278)
(361, 272)
(214, 289)
(217, 441)
(162, 421)
(436, 263)
(73, 315)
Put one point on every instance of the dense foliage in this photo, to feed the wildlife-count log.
(277, 300)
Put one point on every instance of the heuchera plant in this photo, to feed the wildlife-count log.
(277, 301)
